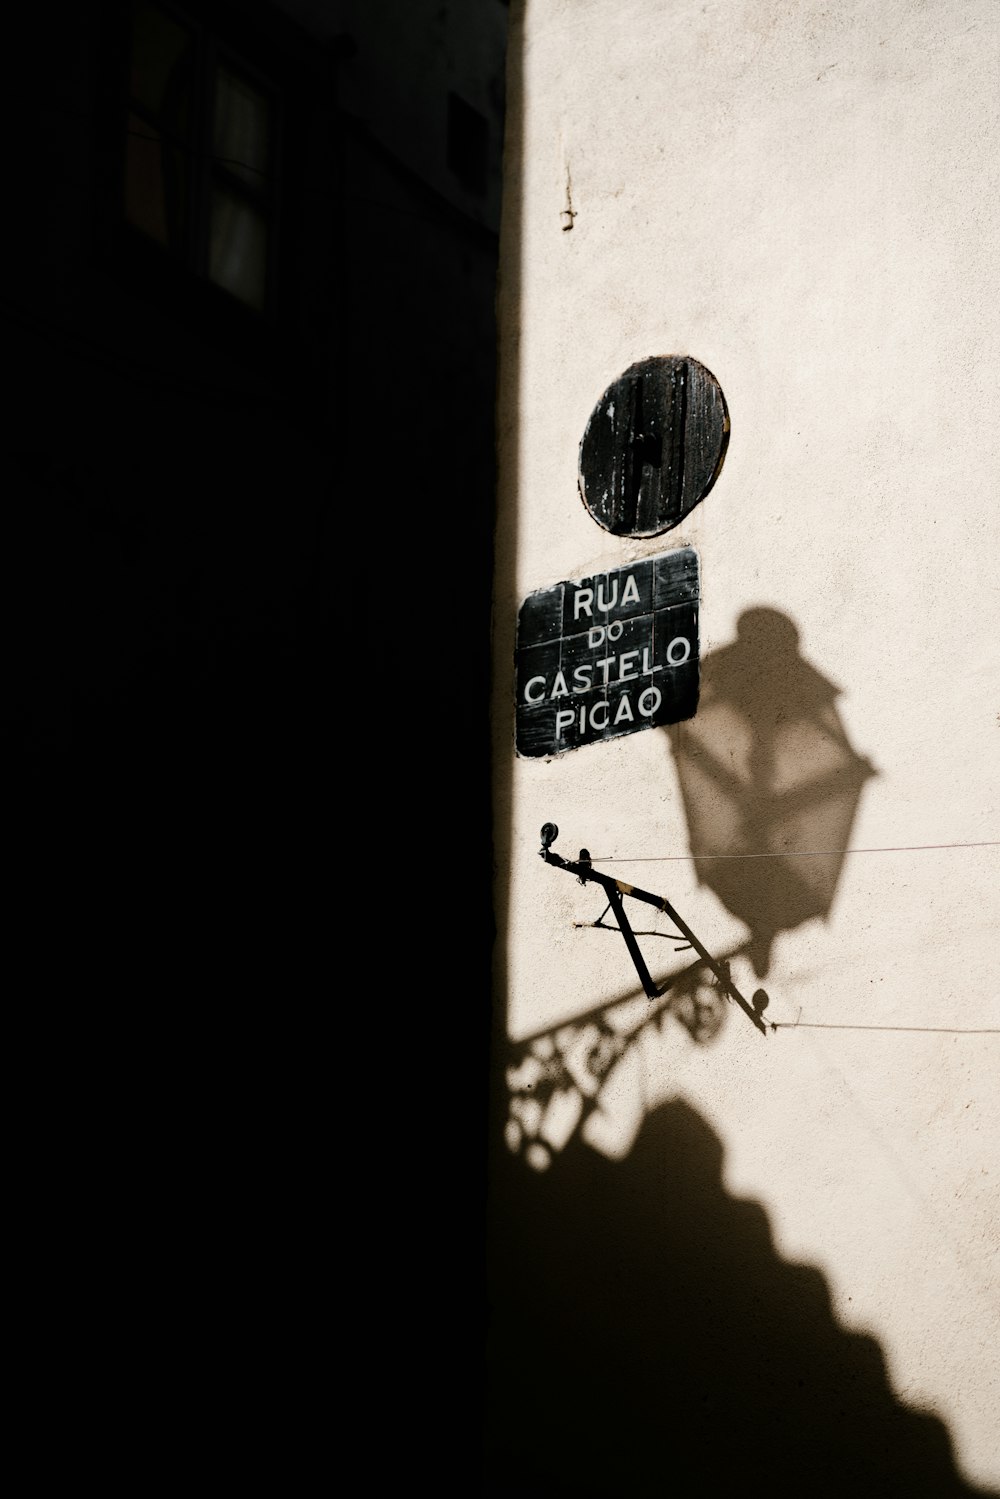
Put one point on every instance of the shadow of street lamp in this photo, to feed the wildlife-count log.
(769, 780)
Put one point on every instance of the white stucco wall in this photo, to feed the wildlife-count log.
(804, 198)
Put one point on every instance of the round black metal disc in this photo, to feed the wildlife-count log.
(654, 446)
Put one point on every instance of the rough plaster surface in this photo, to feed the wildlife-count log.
(805, 199)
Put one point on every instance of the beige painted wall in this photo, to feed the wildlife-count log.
(804, 197)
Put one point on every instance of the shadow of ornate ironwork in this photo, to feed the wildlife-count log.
(769, 780)
(556, 1078)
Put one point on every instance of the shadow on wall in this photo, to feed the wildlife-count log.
(587, 1075)
(646, 1338)
(770, 781)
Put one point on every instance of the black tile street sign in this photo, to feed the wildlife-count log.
(608, 655)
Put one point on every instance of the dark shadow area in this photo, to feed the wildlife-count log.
(770, 781)
(245, 554)
(247, 510)
(646, 1338)
(166, 633)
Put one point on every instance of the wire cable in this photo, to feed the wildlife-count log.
(824, 1025)
(791, 853)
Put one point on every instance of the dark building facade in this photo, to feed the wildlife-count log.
(248, 444)
(249, 430)
(169, 314)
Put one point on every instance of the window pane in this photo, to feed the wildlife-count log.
(242, 126)
(162, 66)
(238, 247)
(155, 185)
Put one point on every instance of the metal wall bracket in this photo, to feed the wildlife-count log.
(615, 890)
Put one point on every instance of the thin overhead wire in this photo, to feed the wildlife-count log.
(791, 853)
(814, 1025)
(824, 1025)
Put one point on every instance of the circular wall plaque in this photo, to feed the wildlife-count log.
(654, 446)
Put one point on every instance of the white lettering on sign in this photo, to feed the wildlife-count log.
(678, 651)
(622, 656)
(648, 701)
(583, 598)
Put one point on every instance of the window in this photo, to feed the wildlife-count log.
(200, 154)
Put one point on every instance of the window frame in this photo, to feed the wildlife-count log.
(212, 50)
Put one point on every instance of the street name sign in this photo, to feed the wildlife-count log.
(608, 655)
